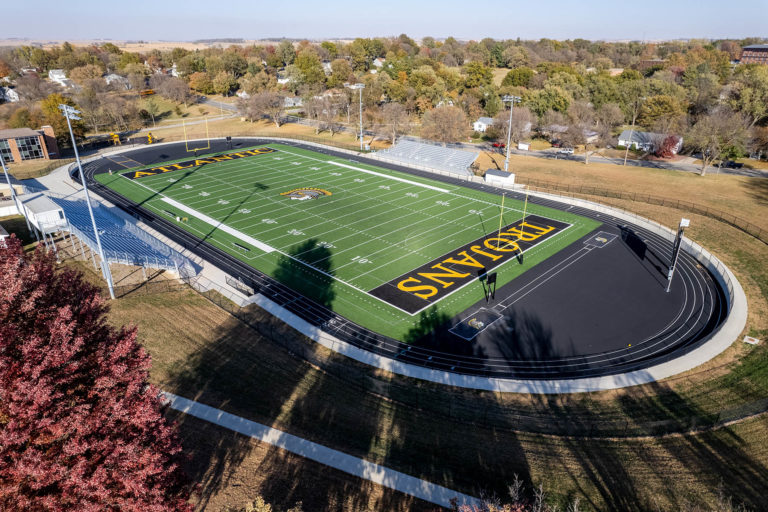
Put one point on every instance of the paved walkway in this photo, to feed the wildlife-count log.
(360, 468)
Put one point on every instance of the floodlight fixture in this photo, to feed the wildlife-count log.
(684, 223)
(70, 113)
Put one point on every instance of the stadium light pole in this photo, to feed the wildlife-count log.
(360, 88)
(70, 113)
(684, 223)
(511, 100)
(13, 192)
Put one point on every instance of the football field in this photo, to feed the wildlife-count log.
(379, 247)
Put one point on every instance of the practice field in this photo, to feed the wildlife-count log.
(382, 248)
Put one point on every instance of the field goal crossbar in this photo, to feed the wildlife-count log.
(186, 140)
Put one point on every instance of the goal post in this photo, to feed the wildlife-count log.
(187, 140)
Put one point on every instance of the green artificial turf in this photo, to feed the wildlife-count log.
(334, 249)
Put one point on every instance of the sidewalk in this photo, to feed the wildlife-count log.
(360, 468)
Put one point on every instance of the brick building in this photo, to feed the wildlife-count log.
(19, 144)
(754, 54)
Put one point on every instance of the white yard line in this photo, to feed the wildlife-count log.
(395, 178)
(219, 225)
(355, 466)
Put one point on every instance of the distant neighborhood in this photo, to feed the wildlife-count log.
(657, 100)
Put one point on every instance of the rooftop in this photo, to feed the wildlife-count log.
(12, 133)
(756, 47)
(38, 203)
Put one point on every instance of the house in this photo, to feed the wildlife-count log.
(482, 124)
(173, 71)
(327, 67)
(555, 130)
(647, 141)
(8, 95)
(524, 146)
(754, 54)
(292, 101)
(117, 80)
(58, 76)
(242, 94)
(378, 62)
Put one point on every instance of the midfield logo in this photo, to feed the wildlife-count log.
(302, 194)
(424, 286)
(133, 175)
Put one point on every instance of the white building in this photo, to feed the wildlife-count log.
(482, 124)
(58, 76)
(43, 213)
(9, 95)
(117, 80)
(378, 62)
(647, 141)
(499, 178)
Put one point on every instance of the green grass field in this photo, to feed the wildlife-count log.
(376, 225)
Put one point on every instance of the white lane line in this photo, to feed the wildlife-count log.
(220, 225)
(355, 466)
(395, 178)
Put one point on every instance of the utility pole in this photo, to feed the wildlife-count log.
(70, 113)
(360, 88)
(511, 100)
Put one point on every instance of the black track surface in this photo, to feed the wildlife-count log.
(587, 311)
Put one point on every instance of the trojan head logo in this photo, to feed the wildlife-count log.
(302, 194)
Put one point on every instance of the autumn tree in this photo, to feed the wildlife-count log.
(225, 83)
(83, 74)
(52, 116)
(717, 135)
(522, 121)
(264, 104)
(444, 124)
(80, 426)
(395, 120)
(201, 82)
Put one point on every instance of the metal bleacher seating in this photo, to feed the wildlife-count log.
(122, 241)
(426, 155)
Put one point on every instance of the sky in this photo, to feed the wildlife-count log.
(173, 20)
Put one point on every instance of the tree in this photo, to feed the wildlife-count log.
(717, 135)
(175, 89)
(264, 104)
(341, 72)
(395, 120)
(522, 120)
(285, 52)
(83, 74)
(201, 82)
(261, 81)
(310, 68)
(152, 108)
(550, 97)
(518, 77)
(81, 428)
(750, 93)
(444, 124)
(581, 125)
(477, 75)
(31, 88)
(225, 83)
(658, 108)
(24, 118)
(52, 116)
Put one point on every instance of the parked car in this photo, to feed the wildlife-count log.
(730, 164)
(499, 145)
(565, 151)
(556, 143)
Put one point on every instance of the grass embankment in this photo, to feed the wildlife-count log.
(424, 429)
(742, 196)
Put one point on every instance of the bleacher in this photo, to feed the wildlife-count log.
(122, 242)
(426, 155)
